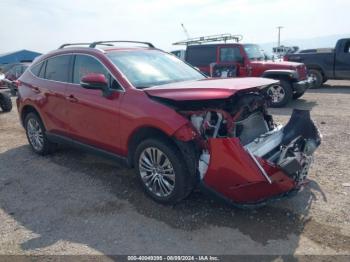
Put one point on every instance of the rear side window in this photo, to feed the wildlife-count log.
(57, 68)
(230, 54)
(36, 69)
(84, 65)
(201, 55)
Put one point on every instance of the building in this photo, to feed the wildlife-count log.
(18, 56)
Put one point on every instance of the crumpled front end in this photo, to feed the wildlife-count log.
(273, 164)
(244, 156)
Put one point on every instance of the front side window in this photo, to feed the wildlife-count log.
(230, 54)
(148, 68)
(84, 65)
(254, 52)
(57, 68)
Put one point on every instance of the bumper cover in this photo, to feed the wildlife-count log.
(302, 86)
(236, 175)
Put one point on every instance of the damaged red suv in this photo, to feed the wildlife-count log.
(176, 127)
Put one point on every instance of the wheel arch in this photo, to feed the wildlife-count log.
(140, 134)
(288, 75)
(318, 68)
(29, 109)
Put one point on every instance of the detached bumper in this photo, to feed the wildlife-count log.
(246, 178)
(302, 86)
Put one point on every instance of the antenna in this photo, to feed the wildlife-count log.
(185, 31)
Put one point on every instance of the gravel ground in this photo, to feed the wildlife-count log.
(75, 203)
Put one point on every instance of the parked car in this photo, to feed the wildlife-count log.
(5, 99)
(247, 60)
(12, 72)
(324, 64)
(175, 126)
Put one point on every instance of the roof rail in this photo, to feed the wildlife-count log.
(94, 44)
(71, 44)
(74, 44)
(210, 38)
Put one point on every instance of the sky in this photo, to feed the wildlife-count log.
(42, 26)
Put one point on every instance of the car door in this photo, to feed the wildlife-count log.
(49, 85)
(230, 62)
(93, 118)
(342, 61)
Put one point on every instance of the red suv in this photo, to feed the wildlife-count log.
(178, 128)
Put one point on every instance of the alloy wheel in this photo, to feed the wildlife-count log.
(35, 134)
(157, 172)
(277, 93)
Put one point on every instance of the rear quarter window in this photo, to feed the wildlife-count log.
(201, 55)
(36, 69)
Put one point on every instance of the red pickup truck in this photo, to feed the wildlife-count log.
(247, 60)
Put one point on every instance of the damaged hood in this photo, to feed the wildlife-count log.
(209, 88)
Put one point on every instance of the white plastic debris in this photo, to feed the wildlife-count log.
(203, 163)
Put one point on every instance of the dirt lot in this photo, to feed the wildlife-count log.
(76, 203)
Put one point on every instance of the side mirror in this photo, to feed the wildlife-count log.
(96, 81)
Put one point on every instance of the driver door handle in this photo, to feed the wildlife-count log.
(72, 98)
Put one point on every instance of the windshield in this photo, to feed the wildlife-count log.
(151, 68)
(254, 52)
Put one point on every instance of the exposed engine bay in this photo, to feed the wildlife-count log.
(245, 117)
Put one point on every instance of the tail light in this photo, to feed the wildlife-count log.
(17, 83)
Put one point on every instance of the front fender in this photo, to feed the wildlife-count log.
(278, 74)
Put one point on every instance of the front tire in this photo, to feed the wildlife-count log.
(5, 102)
(36, 136)
(161, 171)
(280, 94)
(317, 76)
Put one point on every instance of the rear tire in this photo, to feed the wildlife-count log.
(161, 171)
(317, 76)
(5, 102)
(36, 135)
(280, 93)
(13, 91)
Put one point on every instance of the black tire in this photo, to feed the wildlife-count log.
(286, 89)
(13, 92)
(5, 102)
(47, 146)
(298, 95)
(317, 75)
(182, 184)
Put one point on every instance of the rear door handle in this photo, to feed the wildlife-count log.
(72, 98)
(36, 89)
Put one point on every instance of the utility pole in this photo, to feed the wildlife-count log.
(279, 35)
